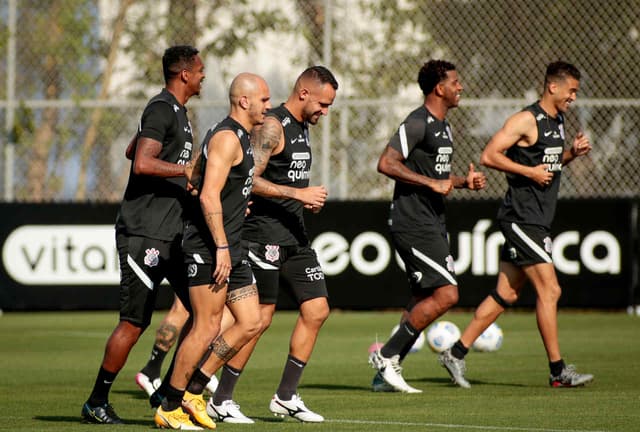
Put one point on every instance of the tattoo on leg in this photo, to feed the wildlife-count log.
(221, 349)
(166, 336)
(241, 294)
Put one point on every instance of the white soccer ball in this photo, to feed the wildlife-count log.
(442, 335)
(490, 340)
(417, 345)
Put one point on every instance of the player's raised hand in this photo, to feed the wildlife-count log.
(581, 145)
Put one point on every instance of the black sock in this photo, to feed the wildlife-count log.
(173, 398)
(400, 340)
(228, 379)
(458, 350)
(100, 393)
(198, 382)
(556, 367)
(167, 376)
(154, 365)
(290, 378)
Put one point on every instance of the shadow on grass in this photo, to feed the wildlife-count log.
(77, 419)
(335, 387)
(447, 381)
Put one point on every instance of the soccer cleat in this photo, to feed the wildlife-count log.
(390, 371)
(380, 385)
(195, 406)
(176, 419)
(212, 385)
(101, 414)
(227, 412)
(147, 384)
(294, 408)
(455, 367)
(569, 378)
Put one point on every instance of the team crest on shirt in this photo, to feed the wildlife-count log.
(192, 270)
(449, 261)
(272, 253)
(548, 244)
(513, 253)
(151, 257)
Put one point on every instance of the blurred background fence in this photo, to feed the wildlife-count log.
(75, 75)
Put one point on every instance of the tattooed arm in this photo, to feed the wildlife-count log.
(268, 140)
(223, 152)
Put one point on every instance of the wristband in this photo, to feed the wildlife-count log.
(222, 247)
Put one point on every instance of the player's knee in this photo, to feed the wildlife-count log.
(550, 294)
(316, 315)
(447, 297)
(504, 300)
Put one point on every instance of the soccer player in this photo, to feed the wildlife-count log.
(218, 269)
(149, 224)
(529, 148)
(278, 242)
(419, 158)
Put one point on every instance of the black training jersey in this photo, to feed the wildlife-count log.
(236, 191)
(527, 202)
(152, 206)
(280, 221)
(427, 146)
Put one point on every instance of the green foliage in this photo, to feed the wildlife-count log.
(49, 362)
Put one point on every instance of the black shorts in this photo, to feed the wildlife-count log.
(525, 244)
(144, 263)
(296, 266)
(201, 263)
(427, 259)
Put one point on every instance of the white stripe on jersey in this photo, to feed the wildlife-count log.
(532, 244)
(263, 265)
(403, 141)
(140, 273)
(434, 265)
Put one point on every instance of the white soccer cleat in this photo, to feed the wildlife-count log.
(147, 384)
(378, 384)
(294, 408)
(391, 372)
(212, 385)
(228, 412)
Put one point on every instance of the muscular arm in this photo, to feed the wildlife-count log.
(131, 147)
(146, 161)
(390, 164)
(221, 155)
(519, 129)
(268, 140)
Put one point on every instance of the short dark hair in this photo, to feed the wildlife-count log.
(319, 74)
(431, 73)
(176, 59)
(559, 71)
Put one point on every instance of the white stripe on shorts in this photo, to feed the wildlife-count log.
(531, 243)
(434, 265)
(263, 265)
(140, 273)
(403, 141)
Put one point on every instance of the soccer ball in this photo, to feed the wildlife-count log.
(417, 345)
(442, 335)
(490, 340)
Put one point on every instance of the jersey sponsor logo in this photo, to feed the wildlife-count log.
(547, 133)
(272, 253)
(301, 156)
(540, 117)
(314, 273)
(248, 184)
(293, 141)
(192, 270)
(151, 258)
(553, 158)
(443, 160)
(437, 134)
(285, 121)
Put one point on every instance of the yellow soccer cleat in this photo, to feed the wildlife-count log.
(176, 419)
(196, 406)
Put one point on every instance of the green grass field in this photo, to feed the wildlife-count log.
(48, 362)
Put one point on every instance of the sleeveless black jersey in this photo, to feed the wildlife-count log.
(153, 206)
(525, 201)
(280, 221)
(235, 192)
(427, 146)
